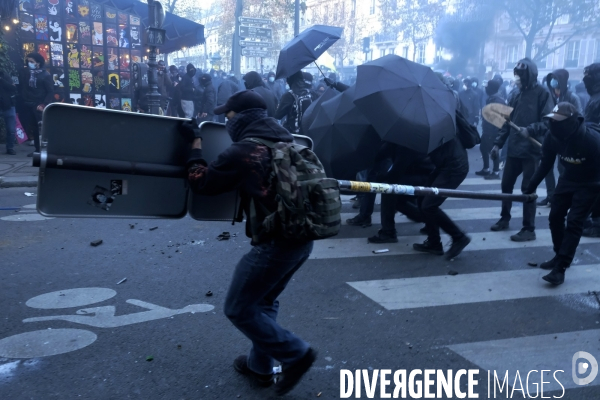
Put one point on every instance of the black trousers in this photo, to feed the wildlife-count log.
(435, 218)
(513, 168)
(551, 180)
(575, 202)
(29, 117)
(391, 203)
(487, 143)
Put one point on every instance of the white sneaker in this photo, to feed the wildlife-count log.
(31, 143)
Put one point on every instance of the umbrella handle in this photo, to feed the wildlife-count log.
(319, 69)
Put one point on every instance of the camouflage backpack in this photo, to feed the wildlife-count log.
(308, 203)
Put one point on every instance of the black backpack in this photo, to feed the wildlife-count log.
(466, 133)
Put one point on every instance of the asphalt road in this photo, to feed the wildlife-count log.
(157, 335)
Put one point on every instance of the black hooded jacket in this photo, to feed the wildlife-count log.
(185, 90)
(562, 76)
(471, 104)
(245, 166)
(298, 90)
(530, 104)
(209, 96)
(592, 85)
(253, 81)
(226, 89)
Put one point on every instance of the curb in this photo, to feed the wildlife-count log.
(18, 181)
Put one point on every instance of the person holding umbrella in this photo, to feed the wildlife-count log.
(294, 103)
(578, 189)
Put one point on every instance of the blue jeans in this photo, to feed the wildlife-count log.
(251, 304)
(10, 121)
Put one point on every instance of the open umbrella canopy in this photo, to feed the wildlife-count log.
(311, 112)
(306, 48)
(406, 103)
(343, 138)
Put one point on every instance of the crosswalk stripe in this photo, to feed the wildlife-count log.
(551, 353)
(357, 247)
(459, 214)
(399, 294)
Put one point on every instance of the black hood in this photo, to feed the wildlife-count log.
(591, 79)
(254, 123)
(205, 79)
(532, 73)
(253, 80)
(562, 76)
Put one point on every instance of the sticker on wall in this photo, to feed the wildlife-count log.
(27, 29)
(71, 31)
(74, 98)
(41, 27)
(86, 81)
(56, 51)
(58, 77)
(74, 81)
(123, 19)
(73, 56)
(98, 81)
(97, 38)
(55, 30)
(44, 50)
(136, 56)
(114, 103)
(25, 6)
(83, 8)
(111, 35)
(87, 100)
(85, 57)
(39, 5)
(96, 12)
(113, 83)
(112, 60)
(53, 7)
(85, 32)
(99, 101)
(69, 9)
(125, 82)
(98, 58)
(110, 14)
(124, 60)
(123, 37)
(134, 36)
(126, 104)
(134, 20)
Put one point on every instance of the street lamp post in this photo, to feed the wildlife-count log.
(155, 37)
(297, 18)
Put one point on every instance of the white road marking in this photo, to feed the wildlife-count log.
(398, 294)
(20, 217)
(71, 298)
(458, 214)
(544, 352)
(30, 206)
(353, 247)
(46, 342)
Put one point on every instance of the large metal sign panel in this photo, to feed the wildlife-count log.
(255, 21)
(256, 53)
(252, 32)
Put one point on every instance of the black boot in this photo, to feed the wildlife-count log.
(457, 247)
(359, 220)
(556, 277)
(550, 264)
(384, 237)
(428, 247)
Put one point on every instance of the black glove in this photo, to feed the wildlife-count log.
(329, 83)
(495, 152)
(189, 130)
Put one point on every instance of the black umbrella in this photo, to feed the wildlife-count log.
(406, 103)
(311, 112)
(306, 48)
(343, 138)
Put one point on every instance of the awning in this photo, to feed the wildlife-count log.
(181, 32)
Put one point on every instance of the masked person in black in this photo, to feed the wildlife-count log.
(185, 91)
(530, 103)
(37, 91)
(253, 81)
(226, 89)
(489, 132)
(294, 103)
(208, 99)
(578, 147)
(471, 102)
(275, 86)
(164, 85)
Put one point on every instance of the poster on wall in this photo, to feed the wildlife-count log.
(134, 33)
(111, 36)
(85, 32)
(73, 56)
(134, 20)
(85, 57)
(96, 12)
(99, 101)
(55, 27)
(69, 10)
(71, 31)
(57, 56)
(98, 58)
(44, 50)
(97, 35)
(99, 82)
(25, 6)
(124, 60)
(41, 27)
(112, 61)
(27, 29)
(83, 8)
(27, 48)
(136, 56)
(74, 81)
(110, 14)
(39, 5)
(54, 8)
(58, 77)
(86, 81)
(123, 37)
(126, 104)
(74, 98)
(113, 83)
(125, 82)
(87, 100)
(114, 103)
(123, 19)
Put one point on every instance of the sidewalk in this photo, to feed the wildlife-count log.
(16, 171)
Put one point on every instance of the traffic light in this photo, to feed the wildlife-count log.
(366, 45)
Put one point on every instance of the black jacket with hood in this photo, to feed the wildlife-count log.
(471, 104)
(253, 81)
(226, 89)
(185, 90)
(209, 96)
(531, 104)
(244, 166)
(562, 76)
(298, 89)
(592, 85)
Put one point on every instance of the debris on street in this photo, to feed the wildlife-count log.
(96, 243)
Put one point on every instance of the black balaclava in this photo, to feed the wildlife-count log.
(591, 78)
(190, 70)
(564, 130)
(205, 79)
(493, 86)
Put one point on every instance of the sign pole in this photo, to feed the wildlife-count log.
(155, 36)
(236, 59)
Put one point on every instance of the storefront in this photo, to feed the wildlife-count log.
(89, 46)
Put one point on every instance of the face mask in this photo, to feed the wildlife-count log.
(31, 65)
(191, 72)
(287, 87)
(518, 82)
(554, 83)
(272, 79)
(474, 84)
(563, 130)
(464, 87)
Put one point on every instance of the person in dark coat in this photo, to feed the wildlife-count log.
(253, 81)
(583, 95)
(264, 272)
(578, 147)
(227, 88)
(208, 99)
(37, 92)
(8, 93)
(174, 109)
(185, 91)
(489, 133)
(294, 102)
(591, 80)
(557, 84)
(530, 103)
(275, 86)
(451, 169)
(164, 85)
(471, 103)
